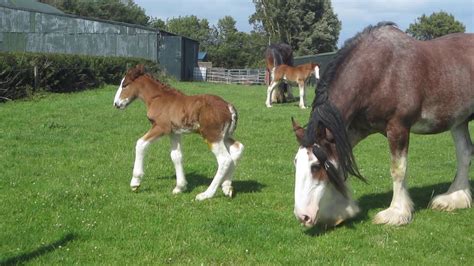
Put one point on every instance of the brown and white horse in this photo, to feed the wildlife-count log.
(275, 55)
(384, 81)
(299, 74)
(173, 113)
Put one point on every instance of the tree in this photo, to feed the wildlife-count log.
(436, 25)
(157, 24)
(113, 10)
(193, 28)
(309, 26)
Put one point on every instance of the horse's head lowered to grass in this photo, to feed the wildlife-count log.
(321, 194)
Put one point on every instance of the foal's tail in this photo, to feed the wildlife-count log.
(233, 120)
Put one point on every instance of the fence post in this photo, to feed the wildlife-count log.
(35, 74)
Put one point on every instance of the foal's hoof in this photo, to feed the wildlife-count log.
(203, 196)
(228, 191)
(135, 188)
(178, 190)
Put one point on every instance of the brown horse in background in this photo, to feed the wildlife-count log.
(173, 113)
(299, 74)
(275, 55)
(384, 81)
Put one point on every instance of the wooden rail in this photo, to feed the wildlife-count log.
(230, 76)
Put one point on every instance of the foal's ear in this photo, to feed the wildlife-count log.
(299, 131)
(136, 72)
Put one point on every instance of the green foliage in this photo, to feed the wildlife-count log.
(113, 10)
(192, 27)
(157, 24)
(60, 72)
(435, 25)
(309, 26)
(234, 49)
(66, 162)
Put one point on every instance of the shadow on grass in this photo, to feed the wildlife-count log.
(240, 186)
(25, 257)
(421, 197)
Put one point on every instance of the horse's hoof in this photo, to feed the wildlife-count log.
(178, 190)
(393, 216)
(202, 196)
(134, 188)
(228, 191)
(451, 201)
(269, 106)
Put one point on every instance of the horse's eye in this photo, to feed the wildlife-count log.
(315, 167)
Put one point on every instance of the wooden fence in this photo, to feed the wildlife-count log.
(230, 76)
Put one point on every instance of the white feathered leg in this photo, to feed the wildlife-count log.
(458, 195)
(224, 160)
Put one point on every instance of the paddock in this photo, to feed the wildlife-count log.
(65, 164)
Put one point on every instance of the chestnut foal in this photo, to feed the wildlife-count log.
(298, 74)
(173, 113)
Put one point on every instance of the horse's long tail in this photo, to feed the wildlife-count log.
(277, 58)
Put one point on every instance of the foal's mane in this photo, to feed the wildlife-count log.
(324, 115)
(137, 72)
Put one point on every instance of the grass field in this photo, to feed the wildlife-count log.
(66, 162)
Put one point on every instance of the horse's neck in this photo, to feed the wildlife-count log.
(152, 90)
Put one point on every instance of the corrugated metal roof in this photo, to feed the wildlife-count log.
(31, 5)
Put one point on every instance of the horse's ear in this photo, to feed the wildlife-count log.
(136, 72)
(141, 68)
(299, 131)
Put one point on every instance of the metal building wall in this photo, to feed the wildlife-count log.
(32, 31)
(178, 55)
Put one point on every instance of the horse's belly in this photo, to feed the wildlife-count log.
(433, 124)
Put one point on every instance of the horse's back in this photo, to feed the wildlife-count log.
(442, 72)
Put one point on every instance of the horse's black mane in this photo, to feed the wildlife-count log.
(341, 55)
(325, 116)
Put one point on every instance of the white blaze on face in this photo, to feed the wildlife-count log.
(119, 103)
(316, 72)
(308, 190)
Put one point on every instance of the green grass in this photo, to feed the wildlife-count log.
(66, 162)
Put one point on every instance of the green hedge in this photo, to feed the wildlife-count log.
(61, 72)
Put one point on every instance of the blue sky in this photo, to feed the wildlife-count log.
(354, 14)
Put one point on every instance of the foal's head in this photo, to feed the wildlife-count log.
(128, 89)
(315, 67)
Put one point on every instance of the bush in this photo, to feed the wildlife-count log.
(61, 72)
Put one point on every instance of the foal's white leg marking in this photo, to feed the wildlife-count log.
(302, 95)
(458, 195)
(401, 208)
(235, 149)
(270, 89)
(224, 160)
(140, 150)
(177, 158)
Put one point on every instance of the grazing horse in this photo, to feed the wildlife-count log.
(275, 55)
(173, 113)
(299, 74)
(384, 81)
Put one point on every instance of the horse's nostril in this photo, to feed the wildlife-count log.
(306, 218)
